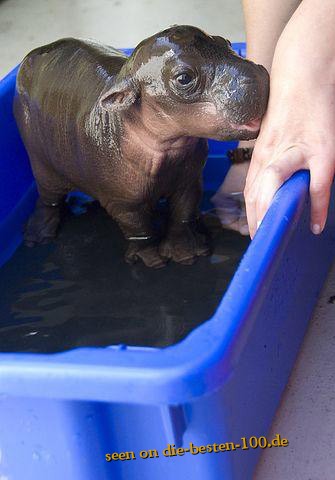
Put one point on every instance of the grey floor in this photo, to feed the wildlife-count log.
(306, 415)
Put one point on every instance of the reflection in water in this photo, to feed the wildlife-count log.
(78, 291)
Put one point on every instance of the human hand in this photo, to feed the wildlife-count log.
(298, 130)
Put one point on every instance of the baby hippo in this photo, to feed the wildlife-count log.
(132, 131)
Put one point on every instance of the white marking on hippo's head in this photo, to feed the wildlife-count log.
(150, 73)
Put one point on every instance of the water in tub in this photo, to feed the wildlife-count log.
(78, 291)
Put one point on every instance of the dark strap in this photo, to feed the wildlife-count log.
(240, 155)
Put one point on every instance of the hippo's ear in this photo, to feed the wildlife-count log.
(121, 95)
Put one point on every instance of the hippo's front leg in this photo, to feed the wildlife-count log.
(135, 222)
(186, 237)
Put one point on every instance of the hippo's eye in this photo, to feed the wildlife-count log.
(185, 82)
(184, 78)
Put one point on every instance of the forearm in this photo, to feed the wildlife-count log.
(307, 44)
(264, 23)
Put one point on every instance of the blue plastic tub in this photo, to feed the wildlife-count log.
(60, 414)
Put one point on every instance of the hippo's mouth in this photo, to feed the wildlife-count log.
(252, 126)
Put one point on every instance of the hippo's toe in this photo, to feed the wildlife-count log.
(185, 249)
(148, 254)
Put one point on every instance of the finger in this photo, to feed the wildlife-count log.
(320, 189)
(250, 207)
(272, 178)
(255, 165)
(251, 189)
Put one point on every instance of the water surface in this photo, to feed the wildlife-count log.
(78, 291)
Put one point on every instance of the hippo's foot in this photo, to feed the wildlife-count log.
(42, 226)
(185, 247)
(147, 253)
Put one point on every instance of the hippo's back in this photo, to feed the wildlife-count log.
(57, 87)
(77, 70)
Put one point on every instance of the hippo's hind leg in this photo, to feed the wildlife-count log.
(135, 221)
(43, 223)
(52, 188)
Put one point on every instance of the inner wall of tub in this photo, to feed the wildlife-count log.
(78, 291)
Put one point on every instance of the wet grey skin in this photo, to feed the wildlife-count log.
(131, 131)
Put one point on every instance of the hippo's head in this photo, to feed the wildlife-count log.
(195, 82)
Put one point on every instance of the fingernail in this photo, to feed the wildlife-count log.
(316, 229)
(258, 224)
